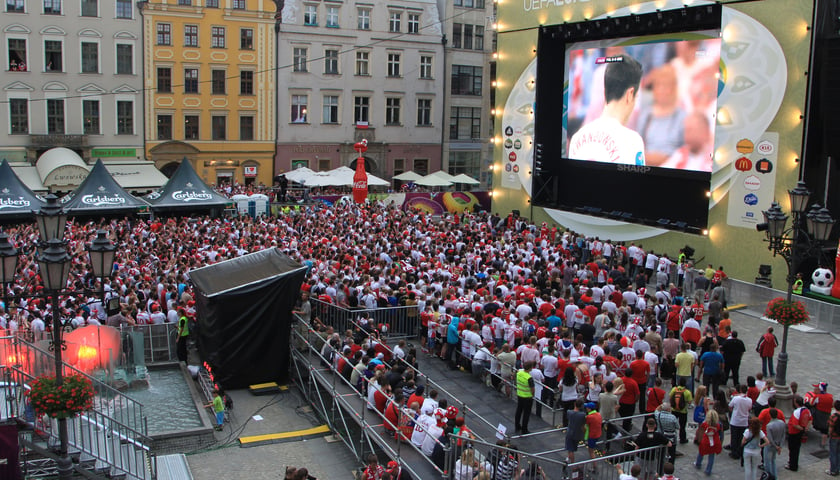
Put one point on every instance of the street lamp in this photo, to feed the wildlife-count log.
(8, 266)
(805, 238)
(54, 265)
(102, 251)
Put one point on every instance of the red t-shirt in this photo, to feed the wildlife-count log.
(415, 398)
(801, 416)
(753, 392)
(764, 417)
(655, 396)
(641, 371)
(593, 421)
(631, 391)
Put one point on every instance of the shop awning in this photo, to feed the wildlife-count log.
(137, 175)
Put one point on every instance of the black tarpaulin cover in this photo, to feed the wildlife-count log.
(244, 308)
(99, 194)
(16, 199)
(186, 191)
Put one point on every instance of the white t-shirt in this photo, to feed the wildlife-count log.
(605, 139)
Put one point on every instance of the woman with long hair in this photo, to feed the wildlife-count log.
(754, 440)
(708, 441)
(568, 391)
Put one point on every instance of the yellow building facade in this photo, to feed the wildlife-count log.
(209, 76)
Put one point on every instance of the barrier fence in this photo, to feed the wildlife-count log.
(399, 321)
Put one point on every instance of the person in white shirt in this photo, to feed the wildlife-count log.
(606, 139)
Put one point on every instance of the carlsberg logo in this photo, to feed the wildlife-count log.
(100, 200)
(12, 203)
(183, 196)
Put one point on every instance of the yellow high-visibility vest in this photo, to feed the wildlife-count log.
(523, 389)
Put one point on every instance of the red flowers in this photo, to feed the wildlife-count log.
(787, 313)
(74, 396)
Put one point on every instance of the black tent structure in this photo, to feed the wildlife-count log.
(244, 315)
(16, 199)
(186, 192)
(100, 194)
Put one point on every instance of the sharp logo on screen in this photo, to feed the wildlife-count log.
(102, 200)
(529, 5)
(632, 168)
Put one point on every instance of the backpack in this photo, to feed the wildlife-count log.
(678, 399)
(662, 314)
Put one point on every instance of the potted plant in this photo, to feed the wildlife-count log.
(75, 395)
(787, 313)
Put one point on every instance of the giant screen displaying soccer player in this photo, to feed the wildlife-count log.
(638, 113)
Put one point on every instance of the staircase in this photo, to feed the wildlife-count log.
(110, 440)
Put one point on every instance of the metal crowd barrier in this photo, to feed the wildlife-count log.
(401, 321)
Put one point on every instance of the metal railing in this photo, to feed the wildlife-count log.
(402, 321)
(160, 341)
(113, 432)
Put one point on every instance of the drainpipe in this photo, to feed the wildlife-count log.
(140, 6)
(278, 20)
(443, 124)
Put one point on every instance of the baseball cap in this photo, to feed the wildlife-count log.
(392, 465)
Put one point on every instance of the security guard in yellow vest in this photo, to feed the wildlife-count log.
(798, 284)
(524, 397)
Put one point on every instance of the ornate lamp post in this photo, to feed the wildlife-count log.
(54, 265)
(805, 238)
(8, 266)
(102, 252)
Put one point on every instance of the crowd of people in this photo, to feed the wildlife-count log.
(550, 316)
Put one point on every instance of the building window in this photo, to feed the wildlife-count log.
(15, 6)
(52, 7)
(470, 3)
(424, 112)
(330, 109)
(90, 117)
(125, 117)
(164, 127)
(466, 80)
(310, 15)
(164, 34)
(164, 80)
(211, 3)
(190, 127)
(125, 59)
(393, 64)
(246, 127)
(246, 39)
(361, 110)
(217, 37)
(18, 116)
(332, 17)
(456, 35)
(55, 116)
(90, 57)
(190, 35)
(467, 163)
(299, 103)
(364, 19)
(479, 38)
(394, 22)
(331, 61)
(219, 125)
(218, 82)
(413, 23)
(124, 9)
(425, 66)
(392, 111)
(468, 37)
(190, 80)
(90, 8)
(246, 82)
(465, 123)
(300, 59)
(52, 56)
(239, 4)
(185, 3)
(17, 55)
(363, 63)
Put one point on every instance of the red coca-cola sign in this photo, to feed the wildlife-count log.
(360, 184)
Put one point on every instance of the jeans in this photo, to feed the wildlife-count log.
(751, 460)
(699, 462)
(689, 382)
(770, 461)
(834, 455)
(626, 410)
(523, 412)
(767, 366)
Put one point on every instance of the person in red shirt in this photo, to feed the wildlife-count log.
(655, 396)
(798, 424)
(417, 396)
(821, 404)
(766, 348)
(752, 390)
(627, 401)
(374, 470)
(593, 427)
(392, 413)
(764, 415)
(641, 371)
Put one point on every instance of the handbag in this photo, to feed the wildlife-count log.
(700, 414)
